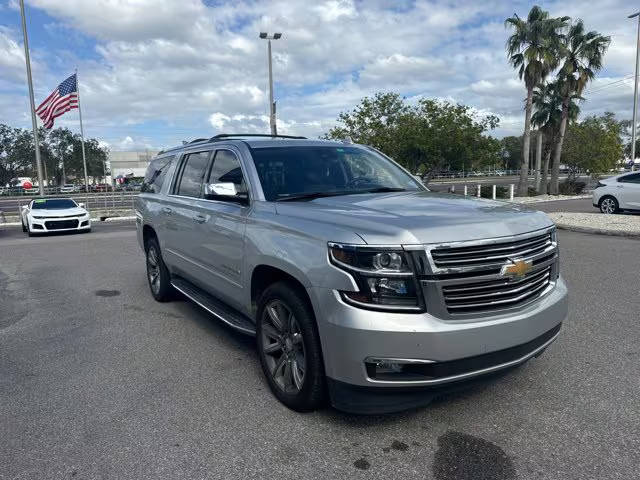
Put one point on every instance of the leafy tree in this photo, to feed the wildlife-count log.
(582, 54)
(512, 151)
(593, 144)
(17, 155)
(427, 137)
(533, 50)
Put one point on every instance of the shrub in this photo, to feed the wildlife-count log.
(486, 191)
(571, 188)
(531, 192)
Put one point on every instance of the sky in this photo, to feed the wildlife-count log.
(153, 73)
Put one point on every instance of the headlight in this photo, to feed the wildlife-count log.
(384, 275)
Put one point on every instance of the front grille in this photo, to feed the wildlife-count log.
(466, 278)
(495, 294)
(489, 254)
(60, 224)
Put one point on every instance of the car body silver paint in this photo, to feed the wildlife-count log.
(293, 237)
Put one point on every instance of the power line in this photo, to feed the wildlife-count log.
(610, 84)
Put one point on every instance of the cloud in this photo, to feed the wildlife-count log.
(12, 64)
(163, 71)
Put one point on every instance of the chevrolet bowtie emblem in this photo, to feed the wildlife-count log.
(517, 269)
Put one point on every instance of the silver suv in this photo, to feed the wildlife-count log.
(360, 285)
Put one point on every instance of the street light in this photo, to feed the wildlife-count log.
(635, 97)
(272, 105)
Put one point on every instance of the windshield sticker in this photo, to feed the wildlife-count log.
(39, 201)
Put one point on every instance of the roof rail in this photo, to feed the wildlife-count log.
(222, 136)
(198, 140)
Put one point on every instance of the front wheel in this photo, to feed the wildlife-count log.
(609, 205)
(289, 348)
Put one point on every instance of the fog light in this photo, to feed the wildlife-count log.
(377, 368)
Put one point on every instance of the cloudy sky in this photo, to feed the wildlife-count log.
(155, 72)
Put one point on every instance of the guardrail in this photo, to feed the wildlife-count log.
(111, 200)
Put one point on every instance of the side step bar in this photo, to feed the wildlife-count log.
(217, 308)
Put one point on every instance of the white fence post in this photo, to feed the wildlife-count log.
(493, 192)
(453, 189)
(511, 192)
(465, 190)
(478, 194)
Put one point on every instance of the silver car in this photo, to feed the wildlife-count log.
(360, 285)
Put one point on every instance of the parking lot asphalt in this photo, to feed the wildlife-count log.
(97, 380)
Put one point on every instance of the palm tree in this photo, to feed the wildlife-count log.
(533, 50)
(547, 115)
(583, 53)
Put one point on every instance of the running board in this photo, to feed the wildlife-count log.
(217, 308)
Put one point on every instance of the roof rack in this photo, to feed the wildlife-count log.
(222, 136)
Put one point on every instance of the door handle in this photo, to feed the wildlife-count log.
(167, 210)
(199, 219)
(619, 186)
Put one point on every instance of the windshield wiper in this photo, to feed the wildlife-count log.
(291, 197)
(381, 190)
(311, 195)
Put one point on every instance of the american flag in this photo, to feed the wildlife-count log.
(61, 100)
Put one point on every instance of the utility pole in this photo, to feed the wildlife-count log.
(34, 122)
(272, 105)
(635, 97)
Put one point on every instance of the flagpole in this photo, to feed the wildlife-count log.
(34, 122)
(84, 158)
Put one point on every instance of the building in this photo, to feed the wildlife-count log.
(130, 164)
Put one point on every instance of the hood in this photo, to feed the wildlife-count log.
(417, 217)
(58, 212)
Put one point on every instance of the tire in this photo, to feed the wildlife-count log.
(158, 275)
(608, 205)
(286, 346)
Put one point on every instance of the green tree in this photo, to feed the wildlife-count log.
(512, 152)
(547, 103)
(426, 137)
(582, 54)
(17, 154)
(593, 144)
(533, 51)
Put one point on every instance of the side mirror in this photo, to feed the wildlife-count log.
(221, 189)
(81, 205)
(225, 191)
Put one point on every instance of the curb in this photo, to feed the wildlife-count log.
(598, 231)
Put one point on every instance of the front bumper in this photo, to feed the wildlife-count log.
(473, 347)
(48, 225)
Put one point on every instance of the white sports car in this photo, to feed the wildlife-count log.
(44, 215)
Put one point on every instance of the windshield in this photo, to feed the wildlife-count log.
(54, 204)
(292, 171)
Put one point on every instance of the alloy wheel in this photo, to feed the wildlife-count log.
(283, 347)
(608, 206)
(153, 269)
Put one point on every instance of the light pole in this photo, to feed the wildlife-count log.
(34, 122)
(272, 105)
(635, 97)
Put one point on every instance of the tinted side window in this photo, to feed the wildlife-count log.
(156, 174)
(633, 178)
(226, 169)
(195, 165)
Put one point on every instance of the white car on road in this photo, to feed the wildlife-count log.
(44, 215)
(621, 192)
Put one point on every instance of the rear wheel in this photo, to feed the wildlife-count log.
(289, 348)
(609, 205)
(157, 273)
